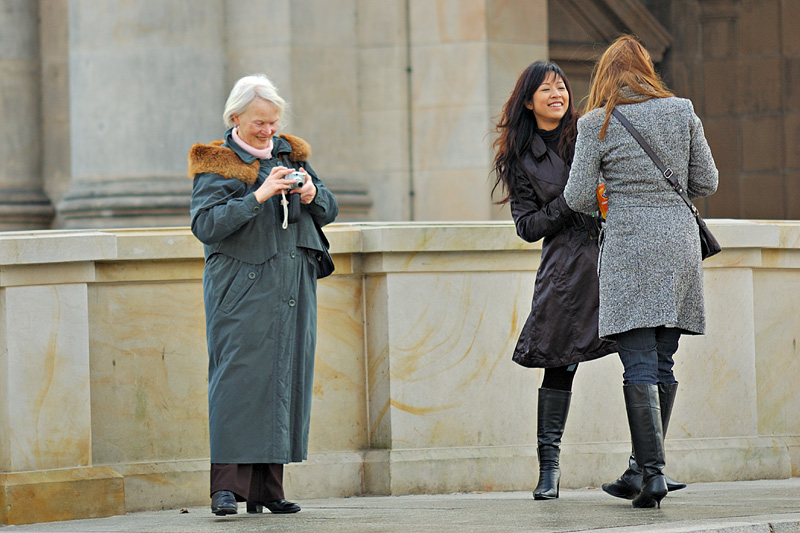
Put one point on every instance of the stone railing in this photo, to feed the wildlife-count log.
(103, 370)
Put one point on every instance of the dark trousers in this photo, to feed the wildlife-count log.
(259, 482)
(646, 355)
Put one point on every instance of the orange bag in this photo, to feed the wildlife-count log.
(602, 199)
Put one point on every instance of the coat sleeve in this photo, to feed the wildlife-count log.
(703, 173)
(323, 208)
(535, 221)
(220, 206)
(580, 192)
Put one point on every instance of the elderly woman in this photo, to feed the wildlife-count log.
(651, 275)
(259, 289)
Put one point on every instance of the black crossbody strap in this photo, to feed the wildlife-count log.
(665, 170)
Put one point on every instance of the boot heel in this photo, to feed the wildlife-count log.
(254, 508)
(652, 493)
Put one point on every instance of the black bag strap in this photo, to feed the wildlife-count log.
(665, 170)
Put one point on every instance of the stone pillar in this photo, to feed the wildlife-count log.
(146, 81)
(790, 43)
(465, 59)
(384, 122)
(745, 95)
(518, 35)
(23, 204)
(717, 101)
(329, 106)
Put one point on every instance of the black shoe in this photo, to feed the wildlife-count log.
(282, 507)
(652, 493)
(223, 503)
(254, 508)
(549, 474)
(552, 416)
(629, 484)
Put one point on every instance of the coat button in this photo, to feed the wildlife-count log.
(558, 213)
(252, 275)
(256, 209)
(292, 302)
(292, 254)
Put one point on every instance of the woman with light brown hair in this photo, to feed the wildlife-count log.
(651, 275)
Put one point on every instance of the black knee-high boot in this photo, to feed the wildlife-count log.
(647, 435)
(553, 409)
(629, 483)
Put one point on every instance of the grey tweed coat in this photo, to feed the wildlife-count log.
(649, 266)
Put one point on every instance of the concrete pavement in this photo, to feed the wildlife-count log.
(734, 507)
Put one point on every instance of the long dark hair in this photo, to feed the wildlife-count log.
(517, 127)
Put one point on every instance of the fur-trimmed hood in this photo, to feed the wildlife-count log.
(214, 157)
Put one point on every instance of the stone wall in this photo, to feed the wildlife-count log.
(739, 63)
(103, 370)
(103, 100)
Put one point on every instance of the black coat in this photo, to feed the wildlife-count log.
(562, 326)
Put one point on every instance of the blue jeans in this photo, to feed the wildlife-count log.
(646, 354)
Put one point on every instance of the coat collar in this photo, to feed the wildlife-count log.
(227, 159)
(538, 147)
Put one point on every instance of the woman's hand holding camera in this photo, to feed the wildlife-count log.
(274, 184)
(308, 191)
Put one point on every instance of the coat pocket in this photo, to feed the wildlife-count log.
(232, 278)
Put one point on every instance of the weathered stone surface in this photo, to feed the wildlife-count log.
(103, 350)
(67, 494)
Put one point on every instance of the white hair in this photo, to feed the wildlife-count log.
(248, 89)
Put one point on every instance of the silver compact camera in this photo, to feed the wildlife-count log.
(299, 180)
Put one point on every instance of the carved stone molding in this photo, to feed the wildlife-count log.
(24, 209)
(718, 9)
(603, 21)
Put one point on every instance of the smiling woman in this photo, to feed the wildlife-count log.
(258, 123)
(260, 295)
(550, 102)
(534, 152)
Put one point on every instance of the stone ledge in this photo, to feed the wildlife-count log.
(34, 247)
(68, 494)
(165, 484)
(512, 468)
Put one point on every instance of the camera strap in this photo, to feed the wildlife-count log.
(285, 204)
(284, 200)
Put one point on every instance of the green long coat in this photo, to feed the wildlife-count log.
(259, 289)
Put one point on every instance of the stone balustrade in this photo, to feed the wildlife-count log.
(103, 370)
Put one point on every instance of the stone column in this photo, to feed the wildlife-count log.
(716, 101)
(146, 81)
(744, 87)
(329, 105)
(465, 59)
(23, 204)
